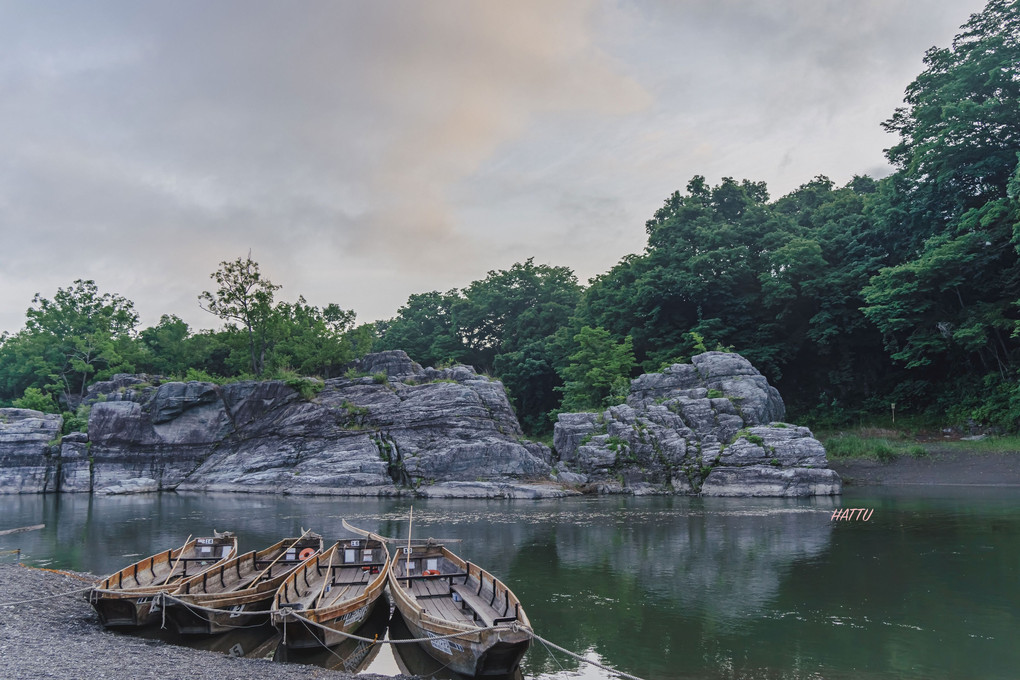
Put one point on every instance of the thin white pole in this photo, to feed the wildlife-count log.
(410, 524)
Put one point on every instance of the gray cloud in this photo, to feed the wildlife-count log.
(365, 151)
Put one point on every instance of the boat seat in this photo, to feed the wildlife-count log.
(482, 610)
(415, 577)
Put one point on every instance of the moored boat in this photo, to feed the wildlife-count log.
(438, 594)
(239, 591)
(353, 655)
(125, 599)
(331, 594)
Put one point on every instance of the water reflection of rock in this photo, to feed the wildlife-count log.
(728, 557)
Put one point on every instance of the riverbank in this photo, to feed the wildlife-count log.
(942, 465)
(62, 638)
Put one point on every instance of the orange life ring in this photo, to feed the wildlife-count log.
(306, 553)
(431, 572)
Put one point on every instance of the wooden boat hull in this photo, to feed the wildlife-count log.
(493, 653)
(479, 649)
(234, 612)
(350, 655)
(298, 634)
(312, 607)
(127, 599)
(222, 589)
(413, 660)
(125, 610)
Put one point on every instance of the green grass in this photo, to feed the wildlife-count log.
(851, 446)
(1004, 444)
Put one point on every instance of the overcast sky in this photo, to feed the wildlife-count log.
(364, 151)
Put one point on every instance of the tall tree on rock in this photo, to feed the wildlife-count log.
(246, 297)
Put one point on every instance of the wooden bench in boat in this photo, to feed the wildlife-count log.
(484, 611)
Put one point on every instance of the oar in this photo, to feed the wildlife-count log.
(387, 539)
(278, 557)
(325, 581)
(176, 562)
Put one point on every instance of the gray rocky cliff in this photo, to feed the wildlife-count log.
(713, 427)
(28, 450)
(394, 427)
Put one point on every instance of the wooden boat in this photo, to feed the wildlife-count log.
(240, 589)
(413, 660)
(331, 594)
(438, 594)
(126, 598)
(350, 656)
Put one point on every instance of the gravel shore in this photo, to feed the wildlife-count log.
(62, 638)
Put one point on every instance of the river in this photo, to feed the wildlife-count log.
(658, 587)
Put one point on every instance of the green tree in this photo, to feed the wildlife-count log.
(67, 342)
(37, 400)
(425, 328)
(960, 131)
(599, 371)
(246, 297)
(313, 341)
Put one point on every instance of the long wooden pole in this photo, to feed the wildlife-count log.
(278, 557)
(19, 530)
(410, 526)
(176, 562)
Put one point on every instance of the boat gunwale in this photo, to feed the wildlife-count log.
(162, 557)
(252, 593)
(324, 615)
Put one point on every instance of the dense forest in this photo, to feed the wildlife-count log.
(903, 290)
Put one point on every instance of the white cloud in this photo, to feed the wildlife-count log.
(366, 151)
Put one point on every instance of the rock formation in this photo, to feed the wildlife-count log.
(713, 426)
(390, 427)
(28, 450)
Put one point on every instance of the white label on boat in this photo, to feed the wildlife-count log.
(445, 645)
(237, 651)
(354, 616)
(236, 610)
(355, 544)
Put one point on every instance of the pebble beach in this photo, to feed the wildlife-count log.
(61, 637)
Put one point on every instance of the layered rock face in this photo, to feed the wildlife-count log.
(713, 426)
(395, 427)
(28, 450)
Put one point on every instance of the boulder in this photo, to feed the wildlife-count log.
(679, 426)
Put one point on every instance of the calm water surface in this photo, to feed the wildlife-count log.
(660, 588)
